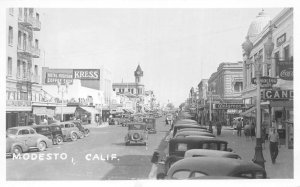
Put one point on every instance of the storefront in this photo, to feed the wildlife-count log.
(18, 113)
(68, 113)
(42, 112)
(87, 114)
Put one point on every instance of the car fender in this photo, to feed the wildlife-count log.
(44, 139)
(24, 147)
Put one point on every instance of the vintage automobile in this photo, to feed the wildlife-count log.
(78, 124)
(186, 121)
(185, 126)
(136, 134)
(151, 125)
(216, 167)
(24, 138)
(70, 131)
(210, 153)
(49, 131)
(193, 129)
(178, 147)
(194, 133)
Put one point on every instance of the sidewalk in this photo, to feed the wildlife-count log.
(95, 125)
(282, 169)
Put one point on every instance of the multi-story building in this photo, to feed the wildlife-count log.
(136, 88)
(226, 85)
(278, 30)
(202, 100)
(23, 71)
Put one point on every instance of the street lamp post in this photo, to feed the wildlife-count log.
(62, 90)
(268, 48)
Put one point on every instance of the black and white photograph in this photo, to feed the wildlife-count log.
(109, 94)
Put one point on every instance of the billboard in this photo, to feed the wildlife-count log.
(86, 74)
(54, 78)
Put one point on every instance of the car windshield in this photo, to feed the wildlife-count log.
(12, 131)
(42, 129)
(136, 127)
(55, 128)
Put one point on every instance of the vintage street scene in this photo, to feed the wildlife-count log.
(149, 93)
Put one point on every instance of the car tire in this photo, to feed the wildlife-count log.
(74, 136)
(59, 140)
(16, 150)
(42, 146)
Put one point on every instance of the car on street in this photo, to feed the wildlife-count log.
(210, 153)
(193, 129)
(82, 129)
(216, 167)
(178, 146)
(136, 134)
(70, 131)
(50, 131)
(24, 138)
(193, 133)
(151, 125)
(185, 121)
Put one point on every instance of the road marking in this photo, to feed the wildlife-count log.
(153, 172)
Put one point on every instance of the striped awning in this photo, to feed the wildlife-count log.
(65, 110)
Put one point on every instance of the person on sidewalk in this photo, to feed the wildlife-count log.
(219, 127)
(274, 138)
(252, 130)
(210, 129)
(239, 127)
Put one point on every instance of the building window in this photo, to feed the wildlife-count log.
(238, 87)
(20, 13)
(19, 69)
(37, 16)
(36, 70)
(114, 89)
(9, 66)
(286, 53)
(36, 43)
(19, 39)
(11, 11)
(10, 36)
(24, 69)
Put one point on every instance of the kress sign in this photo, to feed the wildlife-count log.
(86, 74)
(277, 94)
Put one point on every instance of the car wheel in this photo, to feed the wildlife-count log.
(59, 140)
(42, 146)
(74, 136)
(16, 150)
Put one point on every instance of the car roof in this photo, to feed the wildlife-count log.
(216, 166)
(192, 129)
(137, 123)
(38, 126)
(21, 127)
(195, 139)
(208, 152)
(193, 132)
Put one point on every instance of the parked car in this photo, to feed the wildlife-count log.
(151, 125)
(186, 121)
(78, 124)
(178, 147)
(193, 133)
(210, 153)
(193, 129)
(136, 134)
(49, 131)
(198, 167)
(70, 131)
(185, 126)
(24, 138)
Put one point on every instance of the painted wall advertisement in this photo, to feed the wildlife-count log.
(86, 74)
(54, 78)
(285, 70)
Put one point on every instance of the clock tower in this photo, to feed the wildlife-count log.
(138, 74)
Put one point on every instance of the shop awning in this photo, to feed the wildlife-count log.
(39, 111)
(249, 113)
(65, 110)
(90, 110)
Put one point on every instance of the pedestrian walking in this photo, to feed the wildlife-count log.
(219, 127)
(97, 120)
(210, 129)
(274, 138)
(252, 130)
(247, 130)
(239, 127)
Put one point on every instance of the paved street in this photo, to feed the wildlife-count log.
(84, 158)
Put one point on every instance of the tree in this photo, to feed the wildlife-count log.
(170, 106)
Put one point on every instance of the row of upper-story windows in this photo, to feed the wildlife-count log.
(24, 39)
(24, 12)
(24, 69)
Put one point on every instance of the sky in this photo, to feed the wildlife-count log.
(175, 48)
